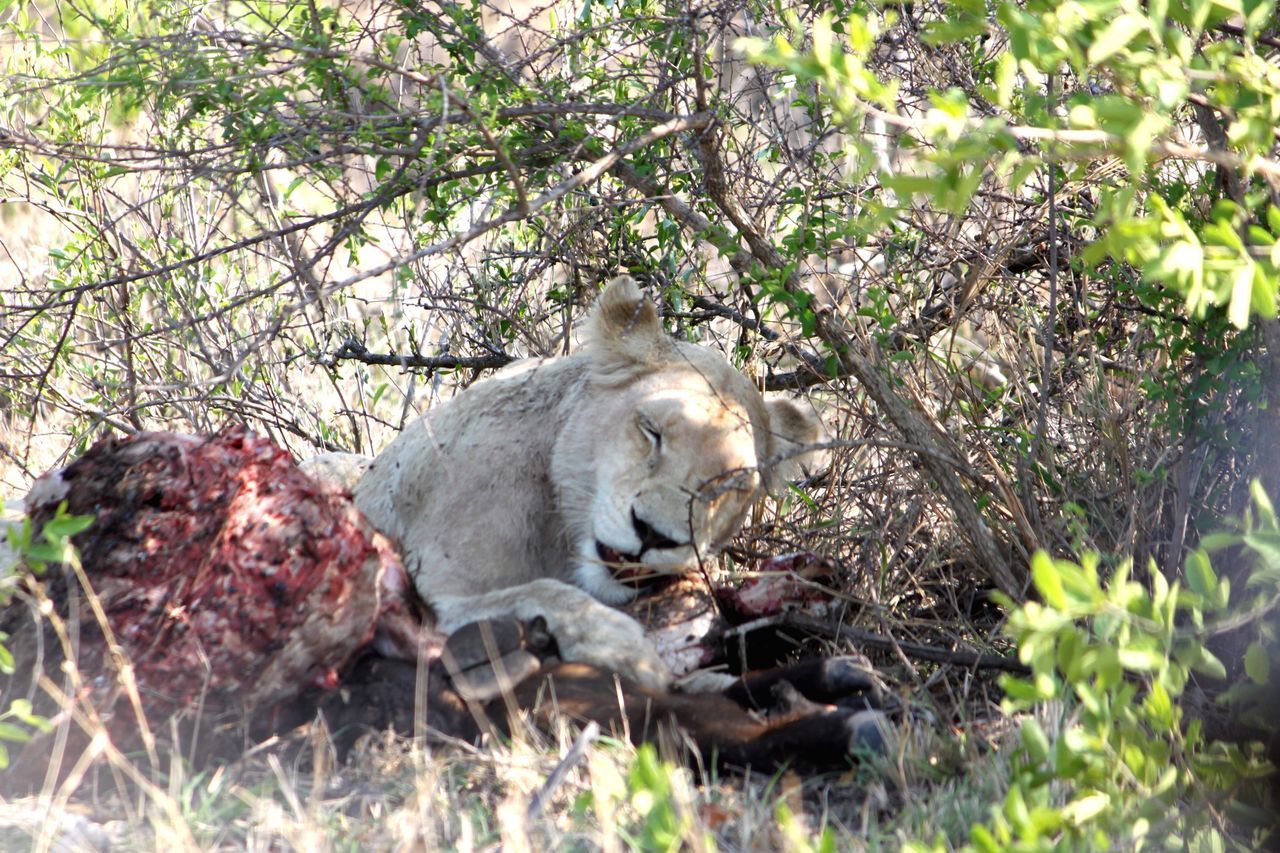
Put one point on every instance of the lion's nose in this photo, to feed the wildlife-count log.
(650, 538)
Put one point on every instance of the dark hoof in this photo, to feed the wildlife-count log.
(476, 643)
(787, 700)
(842, 677)
(870, 734)
(486, 659)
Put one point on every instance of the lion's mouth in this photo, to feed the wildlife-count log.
(627, 568)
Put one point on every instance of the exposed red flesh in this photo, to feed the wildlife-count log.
(222, 568)
(783, 582)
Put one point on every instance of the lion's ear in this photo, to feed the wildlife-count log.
(625, 326)
(791, 426)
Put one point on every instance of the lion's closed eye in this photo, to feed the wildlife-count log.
(651, 432)
(654, 436)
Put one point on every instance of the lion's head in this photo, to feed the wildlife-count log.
(670, 451)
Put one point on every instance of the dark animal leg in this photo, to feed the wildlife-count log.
(488, 669)
(827, 680)
(479, 662)
(824, 740)
(380, 693)
(486, 660)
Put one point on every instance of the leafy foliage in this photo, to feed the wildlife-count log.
(1141, 67)
(1107, 756)
(52, 546)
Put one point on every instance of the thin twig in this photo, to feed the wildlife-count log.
(353, 350)
(571, 760)
(919, 651)
(957, 657)
(591, 173)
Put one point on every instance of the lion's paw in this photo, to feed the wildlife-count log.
(612, 641)
(639, 663)
(585, 630)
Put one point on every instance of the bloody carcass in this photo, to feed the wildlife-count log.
(217, 580)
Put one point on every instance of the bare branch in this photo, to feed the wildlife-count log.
(353, 350)
(919, 651)
(873, 375)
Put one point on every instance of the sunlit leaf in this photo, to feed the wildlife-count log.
(1118, 34)
(1201, 578)
(1241, 295)
(1034, 741)
(1086, 807)
(1044, 573)
(1142, 654)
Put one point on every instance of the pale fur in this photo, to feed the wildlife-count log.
(499, 497)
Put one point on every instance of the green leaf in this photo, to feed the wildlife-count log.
(1267, 546)
(982, 839)
(911, 184)
(1257, 14)
(1142, 654)
(1047, 580)
(45, 552)
(1070, 657)
(1159, 706)
(1044, 821)
(1201, 578)
(1034, 741)
(1018, 689)
(65, 526)
(1109, 670)
(1263, 300)
(1080, 582)
(1263, 504)
(1205, 662)
(1085, 808)
(1257, 663)
(1241, 295)
(14, 734)
(1217, 541)
(1026, 167)
(954, 29)
(1006, 77)
(1116, 37)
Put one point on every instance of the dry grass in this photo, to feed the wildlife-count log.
(398, 794)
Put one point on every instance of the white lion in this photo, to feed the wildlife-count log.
(547, 488)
